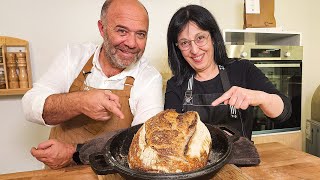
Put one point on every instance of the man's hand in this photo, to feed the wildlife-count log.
(97, 104)
(101, 105)
(53, 153)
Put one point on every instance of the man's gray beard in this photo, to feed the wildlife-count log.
(111, 56)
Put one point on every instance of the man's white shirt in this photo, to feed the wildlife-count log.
(146, 97)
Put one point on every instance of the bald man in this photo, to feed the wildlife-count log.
(91, 90)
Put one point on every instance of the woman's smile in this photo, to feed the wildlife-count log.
(198, 58)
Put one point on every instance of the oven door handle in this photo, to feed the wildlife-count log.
(278, 65)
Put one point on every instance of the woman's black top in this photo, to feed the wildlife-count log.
(242, 73)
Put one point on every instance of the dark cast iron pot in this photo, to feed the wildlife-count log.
(113, 159)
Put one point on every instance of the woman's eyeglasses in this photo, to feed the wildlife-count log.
(200, 40)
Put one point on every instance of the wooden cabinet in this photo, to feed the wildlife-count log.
(15, 69)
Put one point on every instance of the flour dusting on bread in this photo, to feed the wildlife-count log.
(170, 142)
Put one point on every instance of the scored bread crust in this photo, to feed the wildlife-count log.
(170, 142)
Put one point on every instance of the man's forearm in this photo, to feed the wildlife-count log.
(61, 107)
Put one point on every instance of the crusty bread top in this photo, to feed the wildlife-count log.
(170, 142)
(169, 132)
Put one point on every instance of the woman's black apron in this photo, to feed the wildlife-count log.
(220, 114)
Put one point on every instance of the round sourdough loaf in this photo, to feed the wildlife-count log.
(170, 143)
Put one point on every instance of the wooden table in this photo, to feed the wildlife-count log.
(84, 172)
(277, 162)
(282, 162)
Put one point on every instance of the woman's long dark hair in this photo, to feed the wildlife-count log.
(205, 21)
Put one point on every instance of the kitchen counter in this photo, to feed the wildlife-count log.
(277, 162)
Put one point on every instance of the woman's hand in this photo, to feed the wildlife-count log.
(241, 98)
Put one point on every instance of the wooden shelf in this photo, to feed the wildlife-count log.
(20, 91)
(15, 57)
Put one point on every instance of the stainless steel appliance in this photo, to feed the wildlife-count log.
(283, 66)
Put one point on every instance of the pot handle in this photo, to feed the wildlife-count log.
(231, 133)
(99, 165)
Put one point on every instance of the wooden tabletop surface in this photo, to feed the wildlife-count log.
(282, 162)
(84, 172)
(277, 162)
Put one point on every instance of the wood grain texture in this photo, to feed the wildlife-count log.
(282, 162)
(230, 171)
(76, 172)
(292, 139)
(84, 172)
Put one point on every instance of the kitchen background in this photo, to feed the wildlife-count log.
(50, 25)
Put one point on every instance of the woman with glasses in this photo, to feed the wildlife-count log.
(220, 89)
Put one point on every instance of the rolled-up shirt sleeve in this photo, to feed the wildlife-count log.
(52, 82)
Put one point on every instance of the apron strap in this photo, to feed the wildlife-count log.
(78, 83)
(226, 86)
(188, 94)
(190, 83)
(224, 78)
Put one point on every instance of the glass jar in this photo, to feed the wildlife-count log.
(2, 79)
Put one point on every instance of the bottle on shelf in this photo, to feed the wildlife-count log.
(22, 65)
(13, 78)
(1, 58)
(2, 79)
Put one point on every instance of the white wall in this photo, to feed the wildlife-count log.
(49, 25)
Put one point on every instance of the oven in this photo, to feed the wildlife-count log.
(283, 67)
